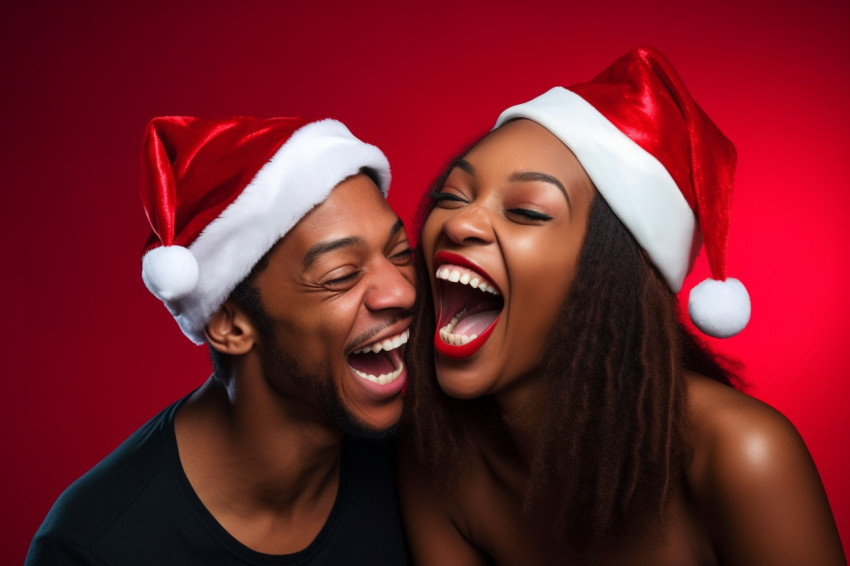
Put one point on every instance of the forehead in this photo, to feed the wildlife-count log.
(355, 209)
(523, 144)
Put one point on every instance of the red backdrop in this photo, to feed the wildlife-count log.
(90, 355)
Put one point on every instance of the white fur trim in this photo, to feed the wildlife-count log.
(636, 185)
(720, 308)
(303, 172)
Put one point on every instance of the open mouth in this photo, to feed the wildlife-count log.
(470, 304)
(380, 362)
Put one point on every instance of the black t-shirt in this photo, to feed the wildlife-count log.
(136, 507)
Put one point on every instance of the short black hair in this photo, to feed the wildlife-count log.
(246, 296)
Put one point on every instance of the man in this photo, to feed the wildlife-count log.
(272, 243)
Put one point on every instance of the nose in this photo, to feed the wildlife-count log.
(469, 225)
(391, 287)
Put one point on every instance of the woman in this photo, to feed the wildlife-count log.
(573, 419)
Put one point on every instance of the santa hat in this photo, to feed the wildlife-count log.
(219, 193)
(664, 168)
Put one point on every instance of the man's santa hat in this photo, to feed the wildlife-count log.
(664, 168)
(219, 193)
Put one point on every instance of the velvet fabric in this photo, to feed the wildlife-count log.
(644, 97)
(209, 161)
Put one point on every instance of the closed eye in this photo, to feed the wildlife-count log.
(341, 283)
(444, 197)
(530, 214)
(403, 257)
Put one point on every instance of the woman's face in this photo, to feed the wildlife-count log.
(502, 246)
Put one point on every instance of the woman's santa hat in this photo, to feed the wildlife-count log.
(664, 167)
(219, 193)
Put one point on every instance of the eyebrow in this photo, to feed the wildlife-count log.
(542, 177)
(464, 165)
(322, 248)
(519, 177)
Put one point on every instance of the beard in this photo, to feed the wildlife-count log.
(281, 367)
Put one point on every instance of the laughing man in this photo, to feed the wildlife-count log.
(272, 243)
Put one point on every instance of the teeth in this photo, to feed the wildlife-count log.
(455, 339)
(464, 277)
(382, 379)
(386, 345)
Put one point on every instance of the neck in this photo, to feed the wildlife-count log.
(246, 446)
(520, 408)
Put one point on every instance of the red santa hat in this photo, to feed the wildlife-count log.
(664, 168)
(219, 193)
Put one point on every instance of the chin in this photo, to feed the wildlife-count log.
(463, 387)
(378, 424)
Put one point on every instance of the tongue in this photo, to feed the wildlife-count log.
(372, 364)
(476, 323)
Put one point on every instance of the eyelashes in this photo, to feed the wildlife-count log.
(530, 214)
(525, 214)
(438, 196)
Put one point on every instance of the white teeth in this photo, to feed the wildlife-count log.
(382, 379)
(386, 345)
(455, 339)
(464, 277)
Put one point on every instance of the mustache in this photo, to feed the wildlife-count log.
(367, 335)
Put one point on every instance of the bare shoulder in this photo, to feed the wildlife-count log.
(755, 483)
(430, 516)
(732, 428)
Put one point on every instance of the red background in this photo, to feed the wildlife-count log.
(90, 355)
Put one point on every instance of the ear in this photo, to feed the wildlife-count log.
(230, 330)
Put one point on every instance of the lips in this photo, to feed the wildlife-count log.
(470, 305)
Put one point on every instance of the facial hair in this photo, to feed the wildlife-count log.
(280, 367)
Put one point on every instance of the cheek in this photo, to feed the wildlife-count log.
(430, 232)
(409, 273)
(321, 332)
(543, 275)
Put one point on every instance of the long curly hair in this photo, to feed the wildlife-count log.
(612, 395)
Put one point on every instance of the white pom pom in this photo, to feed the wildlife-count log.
(170, 272)
(720, 308)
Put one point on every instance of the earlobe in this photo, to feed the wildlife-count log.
(230, 330)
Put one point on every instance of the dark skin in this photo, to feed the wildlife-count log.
(262, 452)
(751, 493)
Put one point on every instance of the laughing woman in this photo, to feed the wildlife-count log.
(560, 413)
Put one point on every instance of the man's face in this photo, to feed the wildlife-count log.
(338, 291)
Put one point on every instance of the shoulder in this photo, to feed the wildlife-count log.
(734, 432)
(94, 501)
(430, 515)
(755, 482)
